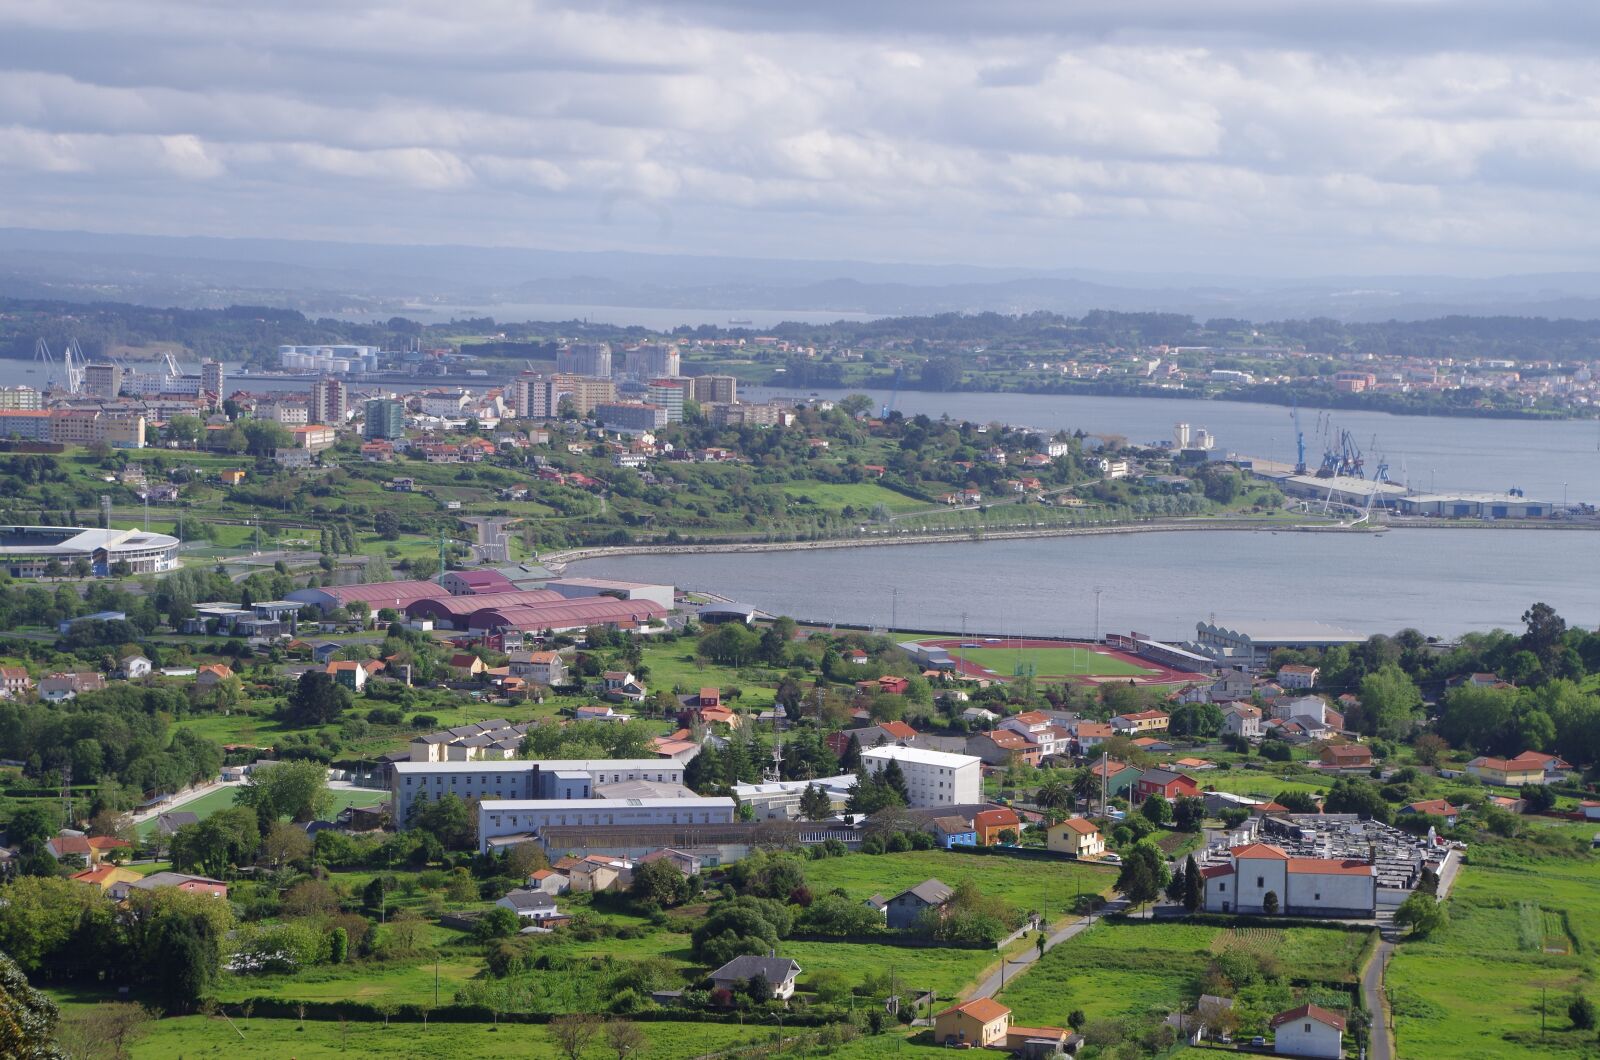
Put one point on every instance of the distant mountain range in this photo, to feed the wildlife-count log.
(363, 279)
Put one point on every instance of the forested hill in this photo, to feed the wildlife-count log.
(239, 332)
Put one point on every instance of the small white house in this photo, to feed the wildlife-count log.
(133, 667)
(1308, 1031)
(529, 904)
(779, 972)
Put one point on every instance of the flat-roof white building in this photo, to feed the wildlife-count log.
(933, 778)
(502, 818)
(779, 800)
(548, 779)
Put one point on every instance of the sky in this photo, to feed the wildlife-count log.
(1246, 137)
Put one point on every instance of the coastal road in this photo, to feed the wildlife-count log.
(1011, 968)
(1373, 998)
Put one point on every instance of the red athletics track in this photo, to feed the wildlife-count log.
(1155, 674)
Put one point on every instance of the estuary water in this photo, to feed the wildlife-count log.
(1549, 461)
(1442, 581)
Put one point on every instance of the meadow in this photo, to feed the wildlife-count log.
(1047, 886)
(1500, 954)
(1143, 970)
(193, 1037)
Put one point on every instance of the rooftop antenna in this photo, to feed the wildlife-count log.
(774, 772)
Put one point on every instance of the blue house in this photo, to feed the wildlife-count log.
(955, 831)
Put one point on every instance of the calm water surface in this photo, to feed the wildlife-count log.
(1444, 582)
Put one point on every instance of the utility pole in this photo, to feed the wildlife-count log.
(1097, 591)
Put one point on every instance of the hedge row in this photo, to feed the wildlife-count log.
(279, 1008)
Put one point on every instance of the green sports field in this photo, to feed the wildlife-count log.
(1050, 662)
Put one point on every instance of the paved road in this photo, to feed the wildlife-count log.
(1381, 1046)
(1010, 969)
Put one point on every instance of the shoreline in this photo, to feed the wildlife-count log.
(565, 557)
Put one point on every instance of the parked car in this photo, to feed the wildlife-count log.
(1258, 1041)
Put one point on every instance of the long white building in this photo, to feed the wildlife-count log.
(504, 818)
(933, 778)
(518, 779)
(1320, 887)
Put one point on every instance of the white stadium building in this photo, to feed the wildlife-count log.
(28, 551)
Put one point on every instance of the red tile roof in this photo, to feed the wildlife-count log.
(1314, 1012)
(1260, 850)
(982, 1009)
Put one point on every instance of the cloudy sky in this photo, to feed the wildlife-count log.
(1248, 137)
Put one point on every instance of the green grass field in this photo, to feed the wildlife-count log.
(1252, 782)
(1474, 989)
(1049, 662)
(862, 496)
(1049, 886)
(201, 1036)
(221, 799)
(1141, 971)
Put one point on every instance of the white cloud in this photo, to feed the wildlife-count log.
(1329, 137)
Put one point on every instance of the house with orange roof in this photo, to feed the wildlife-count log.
(1091, 734)
(210, 675)
(988, 824)
(464, 666)
(984, 1023)
(351, 673)
(1435, 808)
(106, 876)
(1076, 836)
(15, 681)
(1309, 1030)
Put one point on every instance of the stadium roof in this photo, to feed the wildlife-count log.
(1302, 631)
(456, 606)
(569, 614)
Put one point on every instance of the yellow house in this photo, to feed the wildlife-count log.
(105, 876)
(231, 477)
(1506, 772)
(1076, 836)
(981, 1022)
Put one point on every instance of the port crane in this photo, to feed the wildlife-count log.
(894, 396)
(72, 363)
(1299, 439)
(1342, 457)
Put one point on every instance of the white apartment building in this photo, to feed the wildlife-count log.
(933, 778)
(539, 667)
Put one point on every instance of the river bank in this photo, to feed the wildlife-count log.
(577, 555)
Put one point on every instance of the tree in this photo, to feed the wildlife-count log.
(106, 1028)
(1156, 809)
(658, 881)
(572, 1033)
(285, 843)
(1055, 795)
(449, 820)
(1188, 813)
(317, 699)
(188, 965)
(815, 804)
(1269, 903)
(497, 922)
(1358, 796)
(1390, 702)
(296, 790)
(214, 846)
(27, 1017)
(1580, 1010)
(1421, 913)
(1144, 873)
(1429, 748)
(1177, 886)
(624, 1038)
(1192, 888)
(1544, 637)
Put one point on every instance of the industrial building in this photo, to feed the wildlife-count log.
(511, 821)
(29, 551)
(933, 778)
(1251, 644)
(779, 800)
(520, 779)
(1474, 506)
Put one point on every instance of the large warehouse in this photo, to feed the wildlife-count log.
(28, 551)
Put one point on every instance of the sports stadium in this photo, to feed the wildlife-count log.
(29, 551)
(1007, 658)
